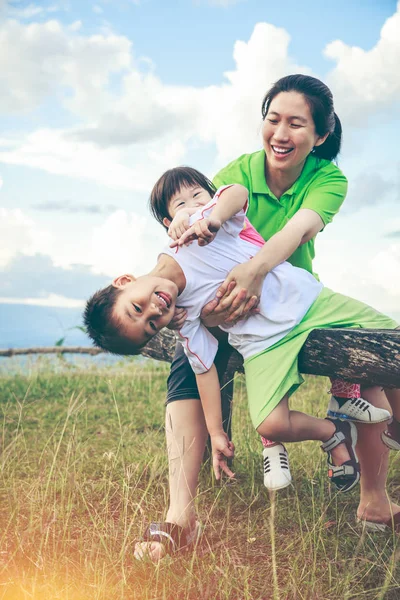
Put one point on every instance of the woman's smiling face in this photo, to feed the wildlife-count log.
(289, 132)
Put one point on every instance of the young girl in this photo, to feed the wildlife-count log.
(177, 195)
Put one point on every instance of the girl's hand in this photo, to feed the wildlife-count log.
(222, 448)
(178, 319)
(180, 223)
(203, 230)
(237, 297)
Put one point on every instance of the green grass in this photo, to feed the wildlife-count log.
(83, 469)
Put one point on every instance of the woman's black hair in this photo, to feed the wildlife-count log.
(170, 183)
(320, 100)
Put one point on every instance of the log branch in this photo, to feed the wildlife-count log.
(367, 356)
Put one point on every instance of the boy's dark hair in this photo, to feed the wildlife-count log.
(102, 327)
(170, 183)
(320, 100)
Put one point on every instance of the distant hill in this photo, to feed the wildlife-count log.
(24, 326)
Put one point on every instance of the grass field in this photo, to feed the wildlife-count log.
(83, 469)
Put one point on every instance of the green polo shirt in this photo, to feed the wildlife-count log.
(321, 187)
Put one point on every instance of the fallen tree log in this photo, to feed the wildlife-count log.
(366, 356)
(50, 350)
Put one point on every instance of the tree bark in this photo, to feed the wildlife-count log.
(367, 356)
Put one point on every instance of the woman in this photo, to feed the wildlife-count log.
(294, 192)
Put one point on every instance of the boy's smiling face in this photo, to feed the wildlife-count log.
(144, 306)
(190, 198)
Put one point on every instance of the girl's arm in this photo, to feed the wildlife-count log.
(230, 201)
(222, 448)
(245, 281)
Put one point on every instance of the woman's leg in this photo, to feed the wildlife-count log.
(393, 396)
(375, 504)
(391, 435)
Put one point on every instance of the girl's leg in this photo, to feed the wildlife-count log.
(375, 504)
(286, 425)
(186, 436)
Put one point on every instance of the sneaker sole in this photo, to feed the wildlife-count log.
(344, 417)
(391, 444)
(280, 487)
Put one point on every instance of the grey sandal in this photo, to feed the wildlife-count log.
(344, 477)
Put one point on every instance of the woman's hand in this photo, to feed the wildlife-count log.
(236, 297)
(178, 319)
(222, 448)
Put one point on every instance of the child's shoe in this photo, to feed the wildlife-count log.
(345, 476)
(357, 410)
(391, 436)
(276, 467)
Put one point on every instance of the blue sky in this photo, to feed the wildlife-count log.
(98, 98)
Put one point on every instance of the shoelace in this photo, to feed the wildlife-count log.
(359, 403)
(282, 458)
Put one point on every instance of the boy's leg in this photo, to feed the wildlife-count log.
(375, 504)
(186, 435)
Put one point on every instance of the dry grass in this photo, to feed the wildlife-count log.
(83, 469)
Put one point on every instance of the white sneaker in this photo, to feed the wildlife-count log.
(276, 467)
(357, 410)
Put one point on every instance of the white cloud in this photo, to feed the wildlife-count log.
(33, 260)
(368, 189)
(59, 152)
(32, 10)
(366, 81)
(19, 234)
(55, 152)
(126, 243)
(1, 182)
(384, 269)
(50, 300)
(121, 127)
(231, 113)
(47, 58)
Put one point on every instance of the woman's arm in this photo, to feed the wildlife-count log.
(244, 282)
(209, 390)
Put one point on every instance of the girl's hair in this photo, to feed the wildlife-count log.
(170, 183)
(320, 100)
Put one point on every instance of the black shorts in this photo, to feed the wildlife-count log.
(182, 381)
